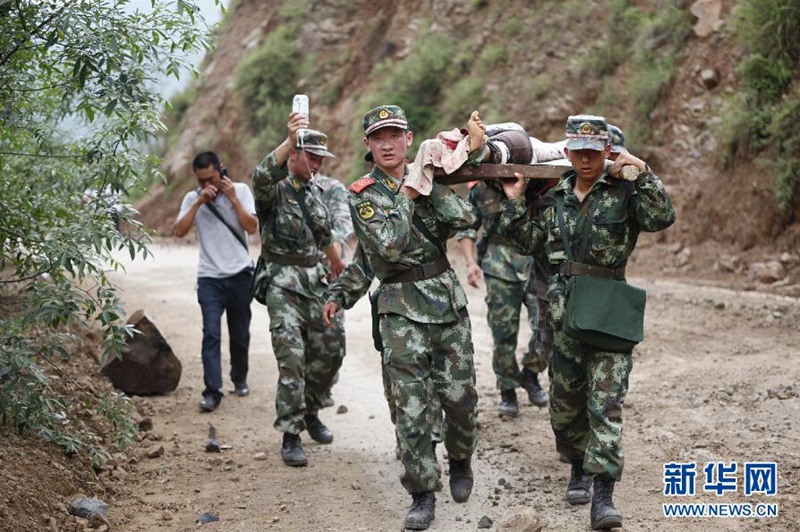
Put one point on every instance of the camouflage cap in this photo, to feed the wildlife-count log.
(384, 116)
(587, 132)
(313, 141)
(617, 139)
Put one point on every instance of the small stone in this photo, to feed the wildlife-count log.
(156, 452)
(260, 457)
(355, 485)
(341, 410)
(166, 516)
(709, 77)
(97, 520)
(146, 424)
(485, 522)
(207, 518)
(84, 507)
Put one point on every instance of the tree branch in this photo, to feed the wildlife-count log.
(36, 30)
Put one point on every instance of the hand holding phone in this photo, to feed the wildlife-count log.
(300, 106)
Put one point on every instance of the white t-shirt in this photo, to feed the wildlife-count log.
(221, 254)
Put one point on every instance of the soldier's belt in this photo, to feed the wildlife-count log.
(421, 272)
(570, 268)
(293, 260)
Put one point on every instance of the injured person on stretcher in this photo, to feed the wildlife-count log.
(506, 143)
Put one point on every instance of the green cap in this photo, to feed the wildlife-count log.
(617, 139)
(587, 132)
(384, 116)
(313, 141)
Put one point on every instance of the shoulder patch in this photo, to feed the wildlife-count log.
(365, 210)
(361, 184)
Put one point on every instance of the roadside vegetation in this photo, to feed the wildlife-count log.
(761, 120)
(78, 87)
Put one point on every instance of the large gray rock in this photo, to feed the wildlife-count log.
(148, 365)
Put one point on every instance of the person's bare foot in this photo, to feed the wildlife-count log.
(476, 131)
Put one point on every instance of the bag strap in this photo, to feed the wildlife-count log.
(301, 201)
(563, 227)
(215, 212)
(415, 219)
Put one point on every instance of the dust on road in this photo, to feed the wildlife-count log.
(715, 380)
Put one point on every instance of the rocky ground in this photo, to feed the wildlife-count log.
(715, 380)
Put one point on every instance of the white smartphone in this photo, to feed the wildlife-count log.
(300, 105)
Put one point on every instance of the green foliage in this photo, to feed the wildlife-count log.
(783, 132)
(415, 84)
(78, 105)
(459, 100)
(764, 116)
(267, 79)
(650, 45)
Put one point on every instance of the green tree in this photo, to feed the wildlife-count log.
(78, 87)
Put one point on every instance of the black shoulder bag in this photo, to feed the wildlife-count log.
(255, 274)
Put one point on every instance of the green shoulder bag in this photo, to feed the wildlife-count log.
(602, 312)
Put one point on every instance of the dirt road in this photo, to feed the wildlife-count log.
(715, 381)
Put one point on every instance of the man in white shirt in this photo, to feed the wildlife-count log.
(224, 213)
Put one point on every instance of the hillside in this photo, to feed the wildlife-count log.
(535, 63)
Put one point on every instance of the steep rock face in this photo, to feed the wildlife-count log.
(537, 79)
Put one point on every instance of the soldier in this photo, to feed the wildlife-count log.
(506, 272)
(296, 229)
(601, 218)
(421, 307)
(617, 140)
(349, 287)
(334, 195)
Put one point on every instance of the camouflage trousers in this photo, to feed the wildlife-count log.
(504, 300)
(435, 411)
(587, 391)
(337, 345)
(425, 361)
(308, 355)
(537, 289)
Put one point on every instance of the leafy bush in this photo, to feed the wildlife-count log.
(651, 44)
(764, 116)
(266, 79)
(415, 84)
(77, 84)
(783, 130)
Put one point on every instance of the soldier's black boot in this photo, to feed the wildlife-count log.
(530, 381)
(317, 430)
(422, 511)
(508, 403)
(460, 479)
(579, 483)
(292, 451)
(604, 515)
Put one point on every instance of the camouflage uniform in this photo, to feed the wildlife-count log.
(295, 295)
(345, 291)
(506, 273)
(334, 195)
(588, 385)
(536, 296)
(424, 324)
